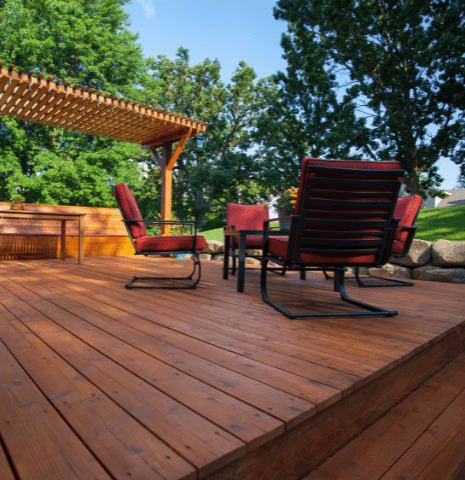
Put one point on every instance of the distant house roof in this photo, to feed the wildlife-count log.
(455, 197)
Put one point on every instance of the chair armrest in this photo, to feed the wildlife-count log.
(411, 230)
(182, 223)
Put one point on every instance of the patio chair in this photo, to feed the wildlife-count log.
(145, 244)
(247, 220)
(343, 217)
(407, 209)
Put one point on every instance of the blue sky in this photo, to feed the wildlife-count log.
(230, 31)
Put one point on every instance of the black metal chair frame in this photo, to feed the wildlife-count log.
(391, 282)
(299, 243)
(194, 255)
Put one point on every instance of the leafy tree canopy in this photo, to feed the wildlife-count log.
(85, 41)
(226, 168)
(404, 65)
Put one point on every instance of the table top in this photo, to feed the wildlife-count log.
(243, 232)
(37, 215)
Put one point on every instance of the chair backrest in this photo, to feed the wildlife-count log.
(407, 209)
(129, 210)
(346, 210)
(246, 217)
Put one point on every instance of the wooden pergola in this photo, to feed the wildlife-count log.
(39, 100)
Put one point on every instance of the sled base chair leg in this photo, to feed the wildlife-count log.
(194, 277)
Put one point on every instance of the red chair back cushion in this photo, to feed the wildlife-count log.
(130, 210)
(246, 217)
(407, 209)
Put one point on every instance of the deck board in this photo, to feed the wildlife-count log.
(422, 437)
(213, 383)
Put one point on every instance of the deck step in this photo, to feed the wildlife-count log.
(423, 437)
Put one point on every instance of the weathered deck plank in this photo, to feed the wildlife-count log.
(224, 383)
(40, 444)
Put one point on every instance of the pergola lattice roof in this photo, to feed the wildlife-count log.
(39, 100)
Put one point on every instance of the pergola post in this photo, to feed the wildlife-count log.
(166, 185)
(166, 164)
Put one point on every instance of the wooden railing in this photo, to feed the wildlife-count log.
(104, 234)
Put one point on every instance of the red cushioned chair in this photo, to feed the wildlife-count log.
(145, 244)
(344, 217)
(248, 221)
(407, 209)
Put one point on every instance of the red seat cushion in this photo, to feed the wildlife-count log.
(253, 241)
(278, 246)
(130, 210)
(173, 243)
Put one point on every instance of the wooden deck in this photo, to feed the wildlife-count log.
(100, 382)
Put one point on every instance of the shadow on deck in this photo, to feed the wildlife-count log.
(100, 382)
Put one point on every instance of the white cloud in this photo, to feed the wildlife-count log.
(148, 7)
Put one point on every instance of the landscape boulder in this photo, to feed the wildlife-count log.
(448, 254)
(213, 247)
(391, 271)
(420, 254)
(438, 274)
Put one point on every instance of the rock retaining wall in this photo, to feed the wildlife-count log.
(443, 261)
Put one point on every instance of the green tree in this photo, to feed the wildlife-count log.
(86, 42)
(226, 168)
(461, 181)
(305, 117)
(404, 62)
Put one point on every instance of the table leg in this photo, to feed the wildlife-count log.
(227, 241)
(63, 239)
(241, 269)
(81, 239)
(233, 255)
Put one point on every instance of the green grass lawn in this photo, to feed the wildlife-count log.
(433, 224)
(447, 223)
(216, 234)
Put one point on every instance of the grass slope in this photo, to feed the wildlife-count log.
(433, 224)
(447, 223)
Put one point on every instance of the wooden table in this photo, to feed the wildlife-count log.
(59, 217)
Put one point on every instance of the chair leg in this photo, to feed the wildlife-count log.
(327, 277)
(192, 285)
(387, 282)
(338, 287)
(234, 258)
